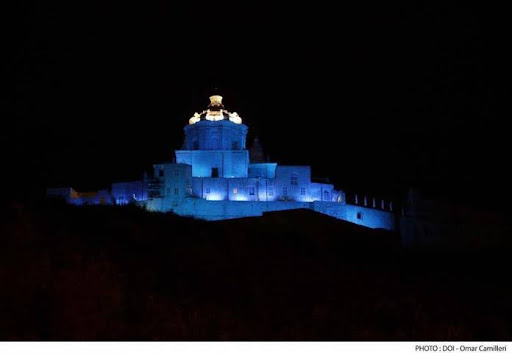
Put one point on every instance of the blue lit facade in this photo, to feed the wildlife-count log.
(213, 178)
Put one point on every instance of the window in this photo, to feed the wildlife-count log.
(176, 173)
(215, 172)
(208, 190)
(234, 145)
(294, 180)
(302, 191)
(196, 145)
(271, 192)
(235, 190)
(176, 191)
(161, 173)
(285, 191)
(326, 195)
(251, 190)
(359, 216)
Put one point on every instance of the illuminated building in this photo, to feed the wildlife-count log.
(213, 178)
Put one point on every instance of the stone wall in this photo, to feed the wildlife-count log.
(229, 164)
(125, 192)
(221, 210)
(215, 135)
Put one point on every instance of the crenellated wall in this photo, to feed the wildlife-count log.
(372, 218)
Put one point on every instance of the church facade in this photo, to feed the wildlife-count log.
(215, 177)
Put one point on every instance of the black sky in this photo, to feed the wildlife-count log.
(376, 96)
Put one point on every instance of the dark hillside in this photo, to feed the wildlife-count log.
(121, 273)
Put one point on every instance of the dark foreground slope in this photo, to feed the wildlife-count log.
(120, 273)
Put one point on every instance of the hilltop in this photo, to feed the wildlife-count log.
(122, 273)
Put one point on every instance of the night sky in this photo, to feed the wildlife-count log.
(376, 96)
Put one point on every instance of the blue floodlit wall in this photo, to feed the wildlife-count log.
(262, 170)
(236, 189)
(174, 185)
(229, 164)
(324, 192)
(215, 135)
(222, 210)
(215, 146)
(215, 210)
(376, 219)
(127, 192)
(292, 183)
(373, 218)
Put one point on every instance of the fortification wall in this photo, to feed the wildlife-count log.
(376, 219)
(220, 210)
